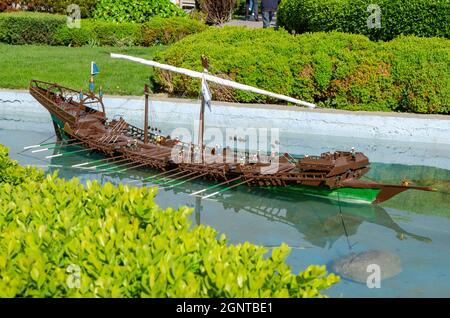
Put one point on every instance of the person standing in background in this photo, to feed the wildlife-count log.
(251, 6)
(269, 8)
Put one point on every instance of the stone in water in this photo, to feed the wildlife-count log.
(354, 266)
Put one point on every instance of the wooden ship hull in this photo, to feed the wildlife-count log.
(81, 120)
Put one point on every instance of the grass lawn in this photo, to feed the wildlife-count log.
(71, 67)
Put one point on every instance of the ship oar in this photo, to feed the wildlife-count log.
(166, 177)
(113, 169)
(68, 153)
(157, 175)
(216, 186)
(95, 162)
(226, 189)
(164, 181)
(57, 146)
(182, 177)
(134, 167)
(169, 178)
(46, 144)
(106, 164)
(185, 181)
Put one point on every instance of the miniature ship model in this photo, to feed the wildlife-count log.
(333, 175)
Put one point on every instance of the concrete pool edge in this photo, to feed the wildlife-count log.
(376, 125)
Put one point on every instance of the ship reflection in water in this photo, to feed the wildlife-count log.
(321, 221)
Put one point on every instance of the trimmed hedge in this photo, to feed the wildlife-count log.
(169, 30)
(40, 28)
(335, 70)
(139, 11)
(426, 18)
(100, 33)
(29, 28)
(64, 239)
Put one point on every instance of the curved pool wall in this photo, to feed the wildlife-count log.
(384, 137)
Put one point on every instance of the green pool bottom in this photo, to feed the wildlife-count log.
(351, 195)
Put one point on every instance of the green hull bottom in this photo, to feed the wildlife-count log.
(351, 195)
(59, 128)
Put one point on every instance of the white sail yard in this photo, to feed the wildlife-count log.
(213, 79)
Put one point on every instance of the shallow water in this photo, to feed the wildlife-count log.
(415, 225)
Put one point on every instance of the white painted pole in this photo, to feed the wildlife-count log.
(54, 156)
(213, 79)
(40, 150)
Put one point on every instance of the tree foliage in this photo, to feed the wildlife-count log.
(425, 18)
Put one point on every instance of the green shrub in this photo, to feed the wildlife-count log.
(335, 70)
(12, 173)
(75, 37)
(100, 33)
(239, 10)
(135, 10)
(29, 28)
(157, 31)
(413, 17)
(169, 30)
(121, 244)
(41, 28)
(421, 70)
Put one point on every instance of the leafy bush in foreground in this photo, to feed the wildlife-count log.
(12, 173)
(426, 18)
(333, 69)
(62, 239)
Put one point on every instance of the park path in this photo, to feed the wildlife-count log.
(250, 23)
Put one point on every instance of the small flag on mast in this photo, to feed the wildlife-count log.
(206, 93)
(94, 69)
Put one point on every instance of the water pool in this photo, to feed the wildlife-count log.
(415, 225)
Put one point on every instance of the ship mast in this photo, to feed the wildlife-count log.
(146, 92)
(201, 130)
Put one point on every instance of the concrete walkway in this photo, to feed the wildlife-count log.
(250, 23)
